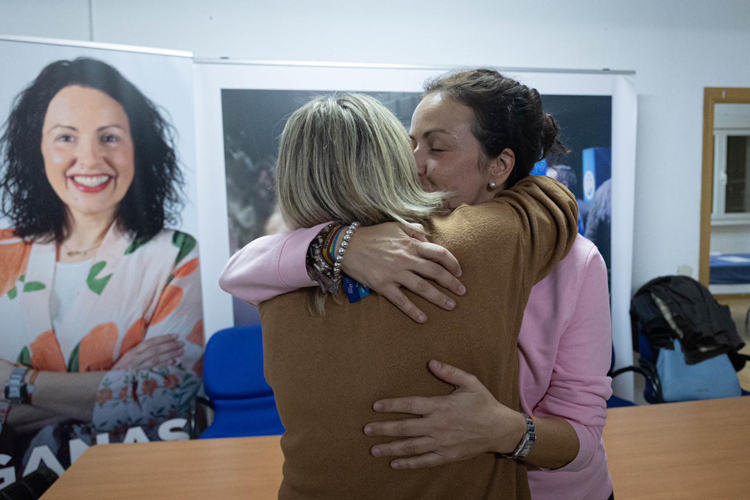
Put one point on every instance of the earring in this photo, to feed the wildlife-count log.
(493, 185)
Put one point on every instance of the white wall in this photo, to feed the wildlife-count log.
(677, 47)
(45, 18)
(730, 239)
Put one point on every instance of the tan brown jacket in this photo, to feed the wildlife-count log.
(326, 372)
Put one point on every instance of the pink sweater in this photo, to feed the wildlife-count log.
(564, 347)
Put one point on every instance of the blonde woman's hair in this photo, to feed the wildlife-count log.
(346, 158)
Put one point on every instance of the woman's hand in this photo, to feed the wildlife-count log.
(462, 425)
(390, 255)
(151, 353)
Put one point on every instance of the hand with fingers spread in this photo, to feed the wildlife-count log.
(389, 256)
(462, 425)
(152, 353)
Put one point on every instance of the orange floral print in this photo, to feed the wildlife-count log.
(149, 386)
(124, 393)
(168, 302)
(171, 381)
(97, 349)
(46, 354)
(14, 259)
(198, 367)
(134, 336)
(196, 335)
(188, 269)
(103, 396)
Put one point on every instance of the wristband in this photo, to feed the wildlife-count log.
(526, 444)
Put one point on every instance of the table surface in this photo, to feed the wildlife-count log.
(674, 451)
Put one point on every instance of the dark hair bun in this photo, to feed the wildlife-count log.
(551, 144)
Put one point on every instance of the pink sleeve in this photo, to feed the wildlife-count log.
(269, 266)
(579, 387)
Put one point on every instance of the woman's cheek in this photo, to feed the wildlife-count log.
(56, 163)
(122, 160)
(59, 157)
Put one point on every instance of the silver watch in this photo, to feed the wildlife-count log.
(526, 444)
(16, 391)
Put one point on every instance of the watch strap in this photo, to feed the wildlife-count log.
(16, 391)
(527, 442)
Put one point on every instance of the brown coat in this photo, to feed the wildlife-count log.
(327, 372)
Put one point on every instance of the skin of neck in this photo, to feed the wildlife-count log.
(87, 230)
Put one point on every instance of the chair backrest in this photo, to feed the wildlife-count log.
(710, 379)
(233, 364)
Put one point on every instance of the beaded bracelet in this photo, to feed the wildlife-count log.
(327, 271)
(344, 244)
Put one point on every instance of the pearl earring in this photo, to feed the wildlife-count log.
(493, 185)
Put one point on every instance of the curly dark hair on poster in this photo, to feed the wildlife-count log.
(508, 115)
(28, 200)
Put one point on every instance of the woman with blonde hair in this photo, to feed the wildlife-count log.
(347, 158)
(465, 119)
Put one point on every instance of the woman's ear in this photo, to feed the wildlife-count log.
(501, 167)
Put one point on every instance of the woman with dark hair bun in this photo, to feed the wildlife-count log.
(468, 121)
(507, 115)
(102, 302)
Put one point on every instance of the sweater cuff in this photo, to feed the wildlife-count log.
(293, 258)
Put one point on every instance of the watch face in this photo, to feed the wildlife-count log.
(13, 394)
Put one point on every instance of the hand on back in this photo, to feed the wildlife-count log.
(390, 256)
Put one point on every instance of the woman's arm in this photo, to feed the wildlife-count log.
(539, 217)
(64, 396)
(270, 266)
(569, 419)
(73, 395)
(579, 387)
(464, 424)
(70, 394)
(384, 257)
(26, 418)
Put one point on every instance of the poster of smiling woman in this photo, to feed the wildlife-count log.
(101, 330)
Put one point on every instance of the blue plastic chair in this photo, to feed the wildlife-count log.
(648, 358)
(233, 376)
(652, 392)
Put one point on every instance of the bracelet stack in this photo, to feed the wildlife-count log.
(344, 244)
(323, 262)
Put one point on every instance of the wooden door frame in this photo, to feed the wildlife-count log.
(712, 96)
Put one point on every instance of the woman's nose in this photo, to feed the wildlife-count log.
(421, 162)
(89, 154)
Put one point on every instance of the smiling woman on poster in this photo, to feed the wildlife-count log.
(106, 299)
